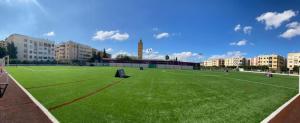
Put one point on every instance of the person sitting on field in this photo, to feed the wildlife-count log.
(269, 74)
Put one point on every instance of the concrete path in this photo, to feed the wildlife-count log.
(16, 106)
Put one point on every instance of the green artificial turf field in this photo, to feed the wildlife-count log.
(93, 94)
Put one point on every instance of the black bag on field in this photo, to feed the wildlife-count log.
(121, 74)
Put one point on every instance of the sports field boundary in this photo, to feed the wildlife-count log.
(272, 73)
(281, 108)
(35, 101)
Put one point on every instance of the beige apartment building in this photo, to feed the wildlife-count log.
(214, 62)
(273, 61)
(32, 49)
(70, 51)
(236, 61)
(293, 60)
(254, 61)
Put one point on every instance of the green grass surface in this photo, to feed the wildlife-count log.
(156, 95)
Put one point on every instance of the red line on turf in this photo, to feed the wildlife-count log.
(85, 96)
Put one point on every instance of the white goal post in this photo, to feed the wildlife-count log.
(4, 62)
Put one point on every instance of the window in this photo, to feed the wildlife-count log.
(25, 45)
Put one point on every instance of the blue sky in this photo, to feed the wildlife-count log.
(181, 28)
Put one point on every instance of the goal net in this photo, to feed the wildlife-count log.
(2, 65)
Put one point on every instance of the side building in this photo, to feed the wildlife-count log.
(273, 61)
(71, 51)
(235, 62)
(32, 49)
(293, 60)
(214, 62)
(254, 61)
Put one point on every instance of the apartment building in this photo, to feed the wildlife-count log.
(71, 51)
(273, 61)
(214, 62)
(32, 49)
(236, 61)
(254, 61)
(293, 60)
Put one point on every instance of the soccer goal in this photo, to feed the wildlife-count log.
(3, 75)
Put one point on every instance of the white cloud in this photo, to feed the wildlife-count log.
(149, 53)
(187, 56)
(230, 54)
(52, 33)
(292, 31)
(274, 19)
(247, 29)
(161, 35)
(239, 43)
(120, 37)
(121, 52)
(237, 27)
(110, 35)
(109, 50)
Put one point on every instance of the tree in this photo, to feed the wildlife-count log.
(104, 54)
(176, 59)
(296, 69)
(167, 57)
(12, 50)
(98, 57)
(3, 52)
(124, 57)
(94, 57)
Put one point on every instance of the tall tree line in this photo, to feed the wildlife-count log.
(10, 50)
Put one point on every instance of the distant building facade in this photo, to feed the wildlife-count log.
(293, 60)
(32, 49)
(71, 51)
(254, 61)
(214, 62)
(235, 61)
(140, 50)
(273, 61)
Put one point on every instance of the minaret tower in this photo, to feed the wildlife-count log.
(140, 50)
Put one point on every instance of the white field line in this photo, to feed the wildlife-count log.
(48, 114)
(26, 68)
(261, 83)
(278, 86)
(276, 112)
(191, 74)
(272, 73)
